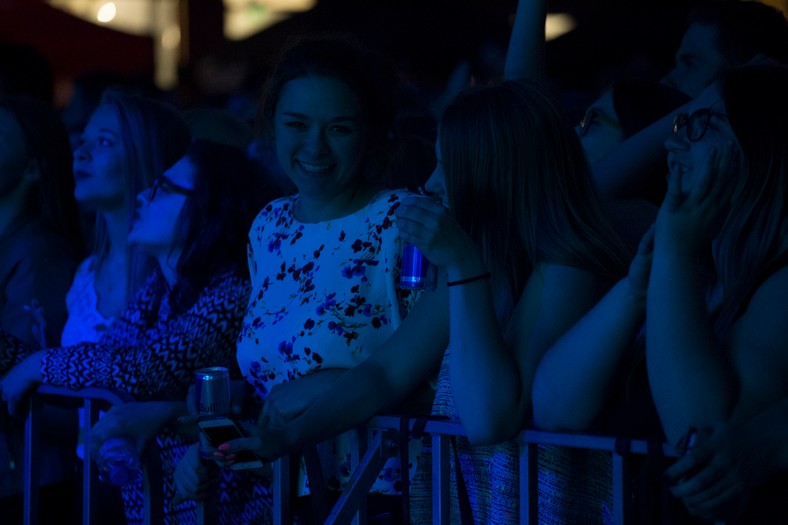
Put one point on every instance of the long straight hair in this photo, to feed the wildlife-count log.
(519, 184)
(754, 233)
(154, 137)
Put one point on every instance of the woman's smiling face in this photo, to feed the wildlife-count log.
(320, 135)
(710, 130)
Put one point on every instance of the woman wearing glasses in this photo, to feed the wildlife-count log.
(128, 141)
(186, 315)
(711, 277)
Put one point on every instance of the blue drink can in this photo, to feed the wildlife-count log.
(212, 391)
(417, 273)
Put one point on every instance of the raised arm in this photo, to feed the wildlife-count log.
(623, 172)
(525, 54)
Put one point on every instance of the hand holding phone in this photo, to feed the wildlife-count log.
(222, 429)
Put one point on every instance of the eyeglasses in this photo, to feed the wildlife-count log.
(594, 114)
(164, 184)
(697, 123)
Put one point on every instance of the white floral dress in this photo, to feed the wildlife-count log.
(324, 295)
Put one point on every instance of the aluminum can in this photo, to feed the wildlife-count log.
(416, 273)
(212, 391)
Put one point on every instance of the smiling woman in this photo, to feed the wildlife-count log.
(325, 261)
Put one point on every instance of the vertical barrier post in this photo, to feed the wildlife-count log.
(31, 464)
(281, 489)
(441, 479)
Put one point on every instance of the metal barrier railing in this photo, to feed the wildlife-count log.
(92, 400)
(383, 443)
(374, 444)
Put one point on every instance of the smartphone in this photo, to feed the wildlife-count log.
(222, 429)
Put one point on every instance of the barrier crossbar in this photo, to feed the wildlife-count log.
(375, 442)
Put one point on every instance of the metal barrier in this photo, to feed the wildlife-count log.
(93, 399)
(384, 432)
(375, 443)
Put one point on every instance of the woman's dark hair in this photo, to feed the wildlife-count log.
(370, 75)
(753, 235)
(216, 218)
(47, 144)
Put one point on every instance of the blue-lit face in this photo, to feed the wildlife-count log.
(320, 136)
(100, 163)
(709, 130)
(154, 227)
(13, 161)
(600, 131)
(698, 60)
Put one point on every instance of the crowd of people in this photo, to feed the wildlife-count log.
(623, 276)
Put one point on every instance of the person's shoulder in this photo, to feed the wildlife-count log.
(278, 205)
(771, 294)
(387, 199)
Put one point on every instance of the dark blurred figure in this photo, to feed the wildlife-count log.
(25, 71)
(85, 97)
(40, 246)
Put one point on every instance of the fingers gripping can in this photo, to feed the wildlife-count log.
(212, 391)
(416, 273)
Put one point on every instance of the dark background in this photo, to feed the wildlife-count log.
(427, 37)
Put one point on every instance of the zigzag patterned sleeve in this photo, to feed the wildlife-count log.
(12, 351)
(161, 363)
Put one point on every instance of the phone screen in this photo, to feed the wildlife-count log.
(221, 434)
(220, 431)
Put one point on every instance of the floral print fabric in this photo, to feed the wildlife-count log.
(324, 295)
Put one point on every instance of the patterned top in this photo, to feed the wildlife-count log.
(152, 351)
(85, 323)
(324, 295)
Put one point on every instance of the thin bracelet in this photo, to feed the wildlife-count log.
(485, 275)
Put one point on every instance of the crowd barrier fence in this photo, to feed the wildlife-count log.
(373, 444)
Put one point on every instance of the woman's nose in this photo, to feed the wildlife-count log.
(434, 184)
(81, 152)
(144, 196)
(677, 141)
(316, 141)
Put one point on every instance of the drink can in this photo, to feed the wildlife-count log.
(212, 391)
(416, 273)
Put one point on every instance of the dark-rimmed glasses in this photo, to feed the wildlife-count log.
(594, 114)
(164, 184)
(696, 123)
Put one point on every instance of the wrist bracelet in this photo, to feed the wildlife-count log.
(485, 275)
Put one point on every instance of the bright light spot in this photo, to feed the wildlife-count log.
(171, 37)
(107, 12)
(557, 25)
